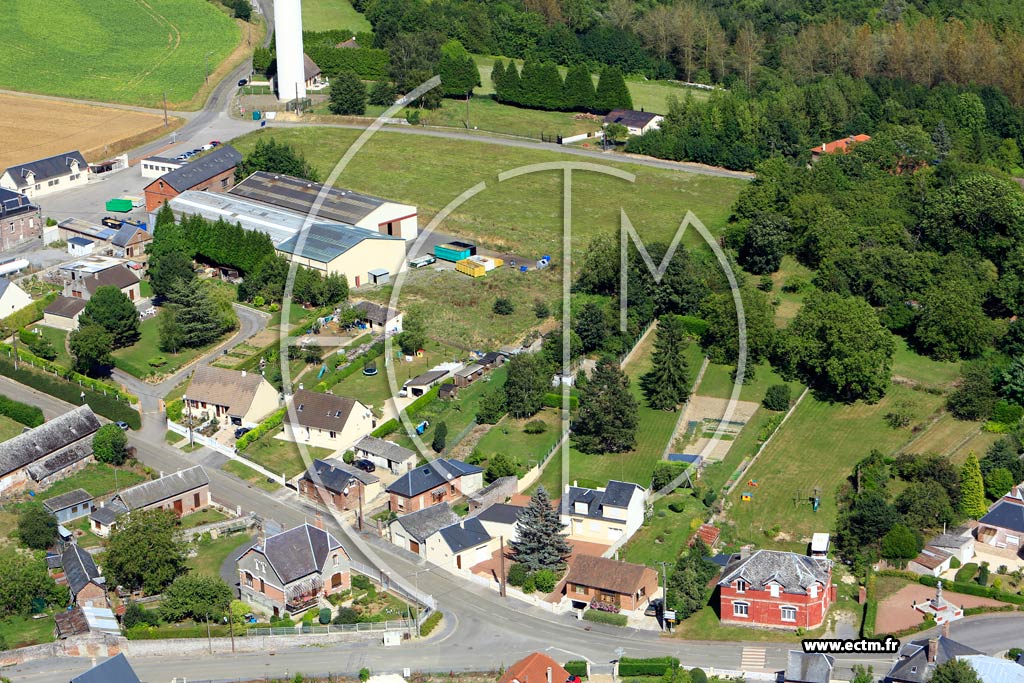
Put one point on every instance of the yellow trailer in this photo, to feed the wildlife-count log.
(470, 268)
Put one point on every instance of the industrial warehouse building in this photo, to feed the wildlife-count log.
(339, 205)
(214, 172)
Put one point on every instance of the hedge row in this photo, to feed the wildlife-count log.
(651, 666)
(30, 416)
(175, 410)
(974, 589)
(555, 401)
(694, 326)
(393, 425)
(273, 420)
(576, 667)
(430, 624)
(368, 63)
(607, 618)
(70, 375)
(106, 405)
(30, 314)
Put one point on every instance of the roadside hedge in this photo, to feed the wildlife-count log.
(576, 667)
(974, 589)
(106, 405)
(273, 420)
(385, 428)
(175, 410)
(70, 375)
(608, 618)
(30, 416)
(651, 666)
(430, 624)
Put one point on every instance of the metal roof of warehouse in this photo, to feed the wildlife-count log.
(325, 242)
(296, 194)
(278, 224)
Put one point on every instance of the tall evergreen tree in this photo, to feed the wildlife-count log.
(198, 320)
(607, 418)
(459, 73)
(512, 85)
(667, 383)
(687, 585)
(498, 79)
(531, 84)
(91, 346)
(167, 268)
(348, 94)
(528, 380)
(112, 310)
(612, 92)
(972, 489)
(540, 543)
(551, 90)
(270, 156)
(579, 89)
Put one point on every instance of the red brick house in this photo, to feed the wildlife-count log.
(776, 589)
(214, 172)
(437, 481)
(20, 219)
(83, 577)
(625, 585)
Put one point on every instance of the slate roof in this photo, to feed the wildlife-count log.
(464, 535)
(385, 449)
(298, 552)
(66, 500)
(309, 67)
(616, 494)
(114, 670)
(80, 241)
(795, 573)
(491, 357)
(220, 386)
(500, 513)
(224, 158)
(1005, 514)
(13, 203)
(118, 276)
(325, 242)
(65, 457)
(71, 622)
(65, 307)
(45, 169)
(4, 284)
(168, 486)
(79, 568)
(433, 474)
(809, 667)
(913, 665)
(48, 438)
(125, 235)
(950, 541)
(335, 475)
(297, 194)
(375, 312)
(630, 118)
(609, 575)
(426, 378)
(426, 522)
(109, 513)
(320, 411)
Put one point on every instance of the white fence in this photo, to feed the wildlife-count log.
(222, 449)
(597, 134)
(316, 629)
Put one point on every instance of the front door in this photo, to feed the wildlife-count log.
(414, 546)
(357, 282)
(178, 508)
(458, 561)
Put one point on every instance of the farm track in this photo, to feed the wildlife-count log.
(173, 41)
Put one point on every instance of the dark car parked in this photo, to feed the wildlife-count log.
(655, 608)
(241, 431)
(365, 465)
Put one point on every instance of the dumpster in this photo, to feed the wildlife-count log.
(256, 116)
(454, 251)
(119, 205)
(470, 268)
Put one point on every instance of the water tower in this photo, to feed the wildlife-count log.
(291, 73)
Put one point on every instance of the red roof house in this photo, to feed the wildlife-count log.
(535, 668)
(841, 146)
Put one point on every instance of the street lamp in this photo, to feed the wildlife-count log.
(188, 406)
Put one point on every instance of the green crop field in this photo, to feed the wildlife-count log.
(324, 15)
(818, 447)
(115, 50)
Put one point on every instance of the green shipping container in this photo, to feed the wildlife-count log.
(122, 205)
(452, 252)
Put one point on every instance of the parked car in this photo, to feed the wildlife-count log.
(215, 143)
(207, 147)
(365, 465)
(241, 431)
(655, 608)
(243, 81)
(123, 425)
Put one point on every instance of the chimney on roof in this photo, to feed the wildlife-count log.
(945, 629)
(745, 551)
(933, 649)
(318, 521)
(548, 674)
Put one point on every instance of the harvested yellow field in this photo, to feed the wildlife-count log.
(33, 128)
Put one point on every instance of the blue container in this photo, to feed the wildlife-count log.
(256, 116)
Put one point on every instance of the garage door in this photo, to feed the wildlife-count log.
(414, 546)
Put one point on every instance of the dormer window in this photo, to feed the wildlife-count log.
(774, 590)
(741, 586)
(814, 590)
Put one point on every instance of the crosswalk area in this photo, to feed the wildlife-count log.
(753, 659)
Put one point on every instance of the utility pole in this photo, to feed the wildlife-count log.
(209, 639)
(501, 555)
(231, 627)
(165, 108)
(14, 346)
(664, 593)
(191, 441)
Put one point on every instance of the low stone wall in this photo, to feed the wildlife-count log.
(92, 645)
(498, 491)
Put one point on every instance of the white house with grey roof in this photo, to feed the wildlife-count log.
(38, 457)
(410, 532)
(290, 571)
(917, 659)
(603, 515)
(46, 176)
(181, 492)
(461, 545)
(385, 454)
(12, 298)
(378, 319)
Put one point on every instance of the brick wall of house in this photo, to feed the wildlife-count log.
(338, 501)
(159, 192)
(447, 491)
(765, 610)
(91, 593)
(20, 228)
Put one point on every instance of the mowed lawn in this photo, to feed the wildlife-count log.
(324, 15)
(909, 364)
(115, 50)
(487, 114)
(57, 338)
(521, 215)
(665, 534)
(818, 447)
(135, 359)
(373, 390)
(718, 382)
(509, 438)
(280, 456)
(97, 478)
(9, 428)
(211, 554)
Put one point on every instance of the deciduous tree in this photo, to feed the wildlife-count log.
(197, 597)
(91, 346)
(37, 528)
(143, 552)
(110, 444)
(529, 379)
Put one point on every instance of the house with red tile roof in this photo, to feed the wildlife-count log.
(840, 146)
(709, 534)
(536, 668)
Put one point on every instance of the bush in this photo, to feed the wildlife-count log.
(136, 615)
(517, 575)
(535, 427)
(709, 498)
(677, 506)
(541, 309)
(364, 675)
(555, 401)
(576, 667)
(695, 327)
(385, 428)
(273, 421)
(529, 584)
(346, 615)
(30, 416)
(1013, 653)
(325, 616)
(157, 362)
(430, 624)
(794, 285)
(651, 666)
(361, 582)
(777, 397)
(606, 618)
(698, 676)
(110, 445)
(966, 572)
(503, 306)
(545, 580)
(954, 563)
